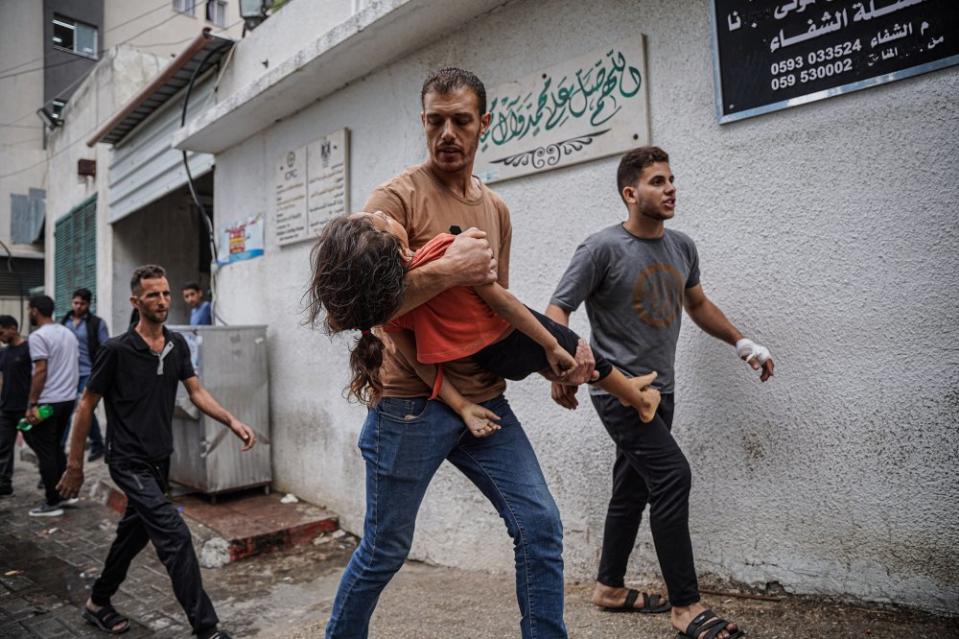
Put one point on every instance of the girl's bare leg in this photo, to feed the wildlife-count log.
(631, 391)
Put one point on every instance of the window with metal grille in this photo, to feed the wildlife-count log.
(75, 256)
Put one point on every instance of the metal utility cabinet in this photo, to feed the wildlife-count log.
(231, 362)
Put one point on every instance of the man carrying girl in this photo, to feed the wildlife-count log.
(406, 437)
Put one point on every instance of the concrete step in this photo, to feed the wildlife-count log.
(239, 525)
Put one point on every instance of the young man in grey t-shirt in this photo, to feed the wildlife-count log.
(636, 278)
(55, 355)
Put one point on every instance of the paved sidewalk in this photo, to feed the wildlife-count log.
(48, 565)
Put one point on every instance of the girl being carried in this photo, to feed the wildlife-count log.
(359, 263)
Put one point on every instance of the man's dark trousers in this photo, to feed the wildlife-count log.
(8, 437)
(151, 517)
(44, 439)
(650, 468)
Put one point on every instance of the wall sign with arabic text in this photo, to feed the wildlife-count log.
(586, 108)
(311, 186)
(774, 54)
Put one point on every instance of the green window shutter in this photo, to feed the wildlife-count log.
(75, 259)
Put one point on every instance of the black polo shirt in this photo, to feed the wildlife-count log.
(139, 389)
(17, 369)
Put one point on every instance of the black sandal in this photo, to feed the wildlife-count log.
(106, 618)
(652, 604)
(708, 622)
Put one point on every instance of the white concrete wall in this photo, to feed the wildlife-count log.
(116, 78)
(16, 307)
(156, 28)
(827, 232)
(279, 37)
(165, 232)
(22, 164)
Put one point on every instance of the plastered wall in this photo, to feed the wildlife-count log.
(826, 232)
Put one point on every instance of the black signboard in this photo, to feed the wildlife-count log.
(774, 54)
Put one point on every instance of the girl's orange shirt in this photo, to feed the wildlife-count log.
(454, 324)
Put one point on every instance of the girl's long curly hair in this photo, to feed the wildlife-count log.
(357, 284)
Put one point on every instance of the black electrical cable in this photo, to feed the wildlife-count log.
(207, 217)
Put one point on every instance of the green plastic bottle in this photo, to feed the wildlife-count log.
(44, 411)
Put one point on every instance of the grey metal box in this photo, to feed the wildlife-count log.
(231, 362)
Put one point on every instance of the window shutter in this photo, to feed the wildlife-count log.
(75, 259)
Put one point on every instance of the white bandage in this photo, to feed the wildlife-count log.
(748, 349)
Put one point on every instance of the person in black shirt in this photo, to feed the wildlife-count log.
(15, 369)
(137, 374)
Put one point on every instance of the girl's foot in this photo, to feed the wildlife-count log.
(648, 397)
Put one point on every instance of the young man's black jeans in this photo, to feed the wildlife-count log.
(44, 439)
(8, 437)
(150, 517)
(649, 468)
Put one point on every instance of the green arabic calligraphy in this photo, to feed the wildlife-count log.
(597, 91)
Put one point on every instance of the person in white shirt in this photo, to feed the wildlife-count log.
(56, 373)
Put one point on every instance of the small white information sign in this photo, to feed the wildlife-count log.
(312, 185)
(328, 187)
(581, 109)
(290, 189)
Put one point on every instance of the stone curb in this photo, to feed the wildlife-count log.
(214, 551)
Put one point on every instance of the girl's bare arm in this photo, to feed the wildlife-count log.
(479, 420)
(507, 306)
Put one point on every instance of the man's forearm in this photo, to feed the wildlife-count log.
(203, 400)
(423, 284)
(712, 320)
(557, 314)
(37, 383)
(469, 261)
(81, 428)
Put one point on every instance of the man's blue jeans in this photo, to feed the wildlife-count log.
(96, 439)
(404, 441)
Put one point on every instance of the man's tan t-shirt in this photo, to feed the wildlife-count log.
(426, 207)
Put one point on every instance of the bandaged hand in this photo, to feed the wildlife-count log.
(748, 349)
(756, 355)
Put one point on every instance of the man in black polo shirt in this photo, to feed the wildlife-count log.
(137, 373)
(15, 369)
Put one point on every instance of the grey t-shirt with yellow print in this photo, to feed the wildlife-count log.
(633, 289)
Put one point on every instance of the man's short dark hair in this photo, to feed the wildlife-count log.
(191, 286)
(447, 80)
(43, 304)
(8, 321)
(84, 294)
(633, 163)
(145, 272)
